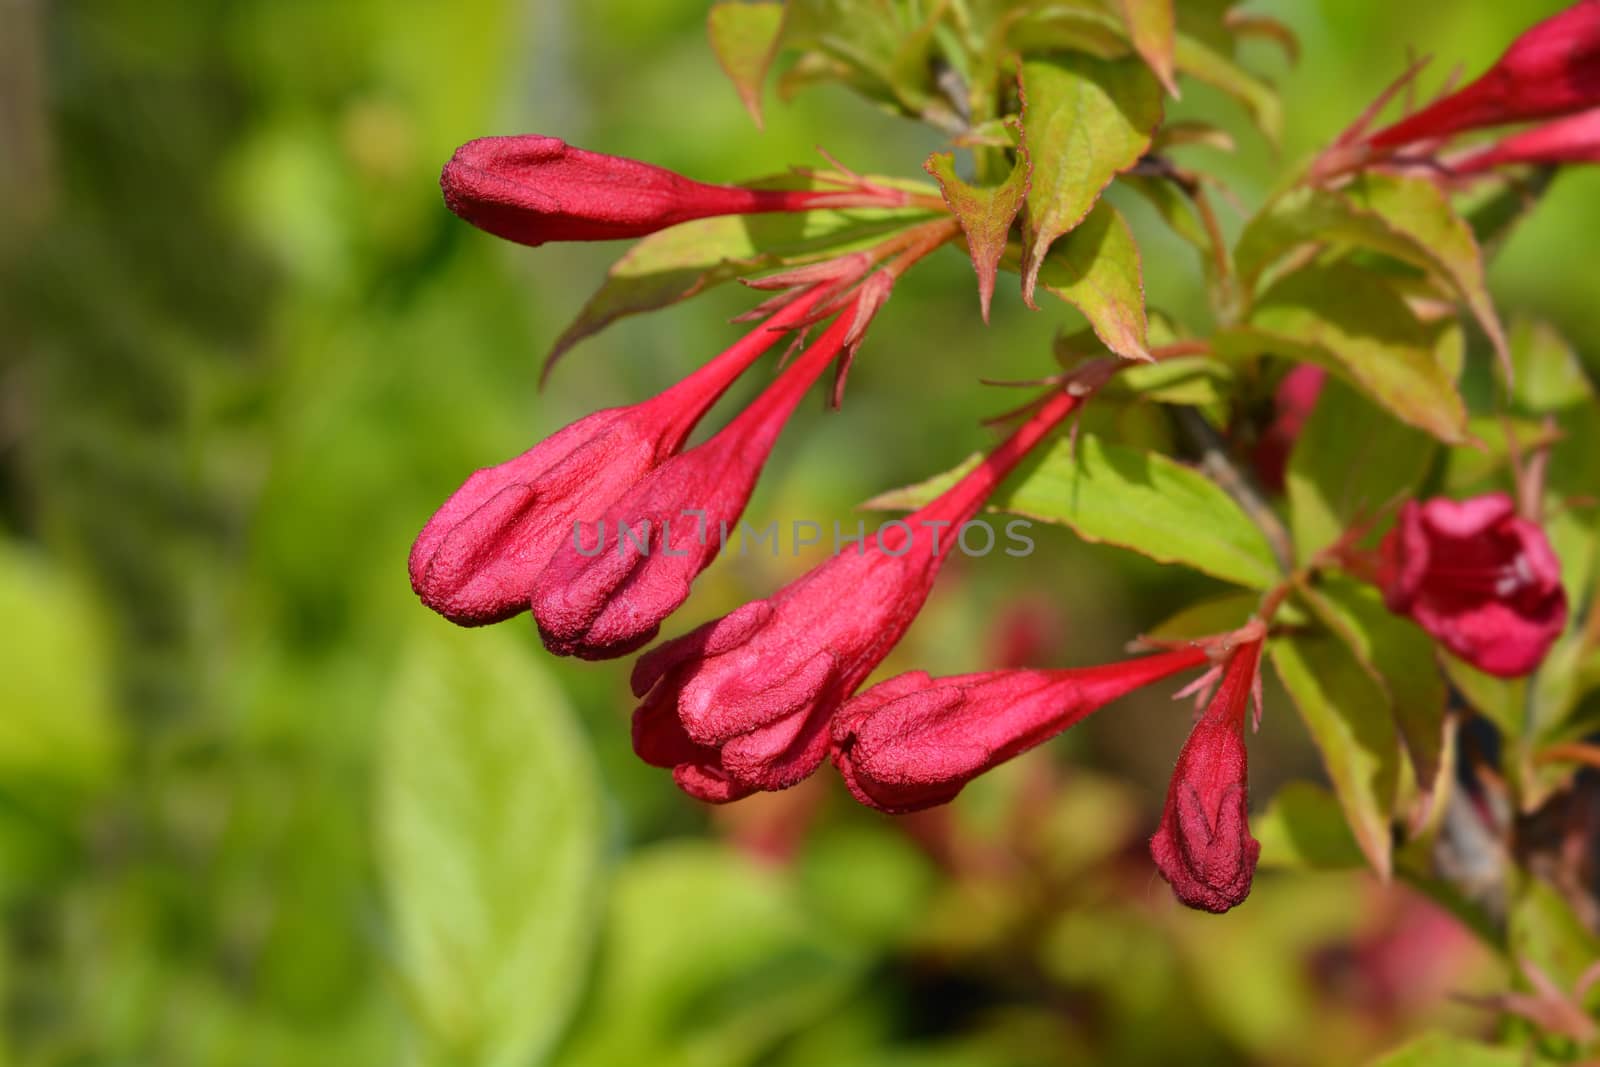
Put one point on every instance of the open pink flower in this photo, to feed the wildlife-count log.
(476, 560)
(913, 741)
(1552, 69)
(1482, 580)
(1204, 848)
(532, 189)
(743, 703)
(601, 598)
(1575, 139)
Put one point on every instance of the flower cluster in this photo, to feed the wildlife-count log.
(1551, 72)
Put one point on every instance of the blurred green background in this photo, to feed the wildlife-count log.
(257, 806)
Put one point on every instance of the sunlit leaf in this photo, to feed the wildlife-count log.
(1123, 496)
(1347, 714)
(1096, 269)
(489, 839)
(1356, 326)
(1088, 120)
(744, 37)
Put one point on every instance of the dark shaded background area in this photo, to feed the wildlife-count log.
(246, 352)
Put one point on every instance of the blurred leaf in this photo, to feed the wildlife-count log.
(1447, 1050)
(1350, 461)
(1245, 24)
(877, 46)
(1152, 27)
(868, 883)
(678, 263)
(744, 37)
(1356, 326)
(1138, 500)
(1495, 219)
(1549, 375)
(985, 214)
(1059, 27)
(1544, 931)
(1096, 269)
(1218, 71)
(1088, 120)
(1399, 656)
(1198, 381)
(1503, 701)
(708, 961)
(1347, 715)
(1304, 828)
(489, 839)
(58, 730)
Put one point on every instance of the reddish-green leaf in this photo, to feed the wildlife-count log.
(1347, 715)
(1354, 324)
(1088, 121)
(1096, 269)
(744, 37)
(1152, 26)
(985, 214)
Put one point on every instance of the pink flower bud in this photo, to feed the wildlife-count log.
(533, 189)
(605, 594)
(1552, 69)
(476, 560)
(743, 703)
(1203, 847)
(1482, 580)
(1575, 139)
(913, 741)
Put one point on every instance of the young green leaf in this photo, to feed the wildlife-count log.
(985, 214)
(1088, 121)
(1351, 461)
(489, 839)
(1347, 715)
(1354, 324)
(1096, 269)
(1204, 64)
(1123, 496)
(1304, 828)
(744, 38)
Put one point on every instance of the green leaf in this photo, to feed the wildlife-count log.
(1351, 461)
(1400, 658)
(985, 214)
(1544, 931)
(1059, 28)
(1096, 269)
(1088, 120)
(1304, 828)
(678, 263)
(1358, 327)
(744, 38)
(1549, 376)
(877, 46)
(1447, 1050)
(1503, 701)
(1196, 381)
(59, 731)
(1220, 615)
(1434, 237)
(1152, 27)
(708, 959)
(489, 839)
(1123, 496)
(1348, 717)
(1206, 65)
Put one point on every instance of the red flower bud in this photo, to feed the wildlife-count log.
(1204, 848)
(533, 189)
(1483, 581)
(476, 560)
(913, 741)
(1575, 139)
(743, 703)
(1552, 69)
(598, 600)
